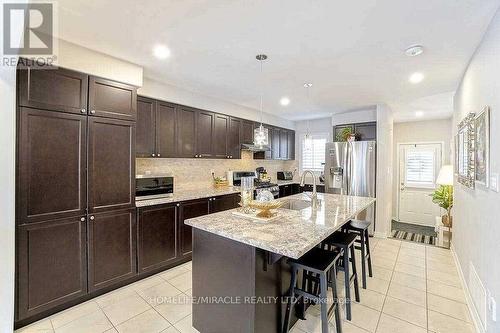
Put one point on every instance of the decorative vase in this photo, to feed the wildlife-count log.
(446, 223)
(351, 138)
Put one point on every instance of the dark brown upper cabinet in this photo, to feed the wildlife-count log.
(111, 248)
(275, 144)
(156, 237)
(234, 138)
(247, 128)
(291, 145)
(189, 210)
(186, 132)
(51, 180)
(220, 136)
(283, 144)
(111, 164)
(55, 89)
(364, 131)
(111, 99)
(52, 264)
(204, 133)
(165, 129)
(145, 145)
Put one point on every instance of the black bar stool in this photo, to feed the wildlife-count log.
(318, 266)
(345, 242)
(360, 227)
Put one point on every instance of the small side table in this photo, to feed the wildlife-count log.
(440, 229)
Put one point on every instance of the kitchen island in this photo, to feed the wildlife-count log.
(239, 264)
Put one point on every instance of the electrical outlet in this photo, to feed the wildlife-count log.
(212, 172)
(494, 182)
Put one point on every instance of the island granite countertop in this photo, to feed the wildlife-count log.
(292, 234)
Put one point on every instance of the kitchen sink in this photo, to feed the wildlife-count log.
(296, 204)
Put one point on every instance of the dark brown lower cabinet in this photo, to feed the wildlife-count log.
(51, 264)
(188, 210)
(156, 237)
(111, 248)
(225, 202)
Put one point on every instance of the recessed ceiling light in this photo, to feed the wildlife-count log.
(161, 51)
(416, 77)
(414, 50)
(284, 101)
(419, 113)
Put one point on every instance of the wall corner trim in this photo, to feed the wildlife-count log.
(472, 309)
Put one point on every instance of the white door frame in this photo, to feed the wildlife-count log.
(398, 183)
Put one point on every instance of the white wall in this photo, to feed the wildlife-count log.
(476, 225)
(170, 93)
(438, 130)
(359, 116)
(384, 170)
(88, 61)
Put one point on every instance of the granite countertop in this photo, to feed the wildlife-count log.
(292, 234)
(188, 194)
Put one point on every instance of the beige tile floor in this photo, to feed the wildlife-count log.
(415, 288)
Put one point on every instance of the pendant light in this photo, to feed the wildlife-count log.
(260, 134)
(308, 140)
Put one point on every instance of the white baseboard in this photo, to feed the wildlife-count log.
(379, 234)
(468, 298)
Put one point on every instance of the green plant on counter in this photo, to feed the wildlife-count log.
(443, 197)
(345, 134)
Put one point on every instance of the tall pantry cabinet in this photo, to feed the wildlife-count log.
(75, 187)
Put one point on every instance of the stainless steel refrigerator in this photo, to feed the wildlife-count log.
(350, 168)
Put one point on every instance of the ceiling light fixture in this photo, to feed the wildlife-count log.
(161, 51)
(308, 140)
(419, 113)
(414, 50)
(416, 77)
(284, 101)
(260, 134)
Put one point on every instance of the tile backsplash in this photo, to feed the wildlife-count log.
(193, 171)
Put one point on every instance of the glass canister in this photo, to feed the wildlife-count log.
(246, 193)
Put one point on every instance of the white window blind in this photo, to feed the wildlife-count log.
(420, 167)
(313, 152)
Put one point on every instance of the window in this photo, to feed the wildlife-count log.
(313, 152)
(420, 164)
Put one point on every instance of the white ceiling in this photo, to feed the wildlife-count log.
(352, 51)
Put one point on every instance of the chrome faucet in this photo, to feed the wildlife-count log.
(314, 196)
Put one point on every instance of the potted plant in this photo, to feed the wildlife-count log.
(443, 197)
(346, 134)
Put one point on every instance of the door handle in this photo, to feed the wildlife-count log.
(92, 218)
(403, 187)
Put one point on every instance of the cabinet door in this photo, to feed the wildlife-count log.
(186, 132)
(275, 144)
(156, 237)
(165, 130)
(291, 145)
(247, 132)
(111, 99)
(53, 89)
(51, 264)
(221, 130)
(285, 190)
(111, 164)
(145, 136)
(111, 248)
(51, 165)
(234, 137)
(366, 131)
(225, 202)
(188, 210)
(283, 144)
(205, 133)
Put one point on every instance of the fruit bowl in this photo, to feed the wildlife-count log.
(265, 207)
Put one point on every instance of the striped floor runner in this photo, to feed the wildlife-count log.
(414, 237)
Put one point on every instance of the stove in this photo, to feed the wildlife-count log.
(259, 184)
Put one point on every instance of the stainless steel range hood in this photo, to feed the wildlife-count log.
(254, 148)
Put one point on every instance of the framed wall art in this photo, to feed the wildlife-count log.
(482, 147)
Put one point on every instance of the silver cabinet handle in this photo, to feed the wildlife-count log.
(83, 111)
(159, 155)
(82, 219)
(178, 205)
(231, 156)
(92, 111)
(153, 155)
(92, 217)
